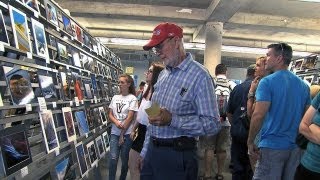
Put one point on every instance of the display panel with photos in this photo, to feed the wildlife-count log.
(82, 122)
(69, 124)
(51, 12)
(92, 153)
(47, 87)
(106, 141)
(19, 84)
(49, 131)
(15, 150)
(3, 31)
(40, 39)
(32, 4)
(100, 148)
(20, 29)
(81, 156)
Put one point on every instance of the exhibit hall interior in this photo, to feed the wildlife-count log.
(62, 64)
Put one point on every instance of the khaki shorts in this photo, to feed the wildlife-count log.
(217, 142)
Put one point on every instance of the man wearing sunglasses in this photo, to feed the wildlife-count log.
(281, 100)
(185, 93)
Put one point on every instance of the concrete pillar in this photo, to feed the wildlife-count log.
(212, 52)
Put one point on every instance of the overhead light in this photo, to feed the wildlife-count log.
(196, 46)
(317, 1)
(184, 11)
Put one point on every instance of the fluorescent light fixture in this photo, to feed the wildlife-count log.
(317, 1)
(197, 46)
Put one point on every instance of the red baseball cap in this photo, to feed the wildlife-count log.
(162, 32)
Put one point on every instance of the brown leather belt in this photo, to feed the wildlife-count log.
(182, 143)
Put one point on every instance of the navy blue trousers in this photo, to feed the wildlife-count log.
(166, 163)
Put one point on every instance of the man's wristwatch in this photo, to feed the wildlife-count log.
(250, 95)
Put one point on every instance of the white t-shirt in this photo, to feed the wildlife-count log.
(120, 106)
(142, 116)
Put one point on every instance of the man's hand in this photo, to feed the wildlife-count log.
(133, 135)
(140, 162)
(163, 119)
(253, 151)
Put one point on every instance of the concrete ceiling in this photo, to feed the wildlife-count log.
(250, 23)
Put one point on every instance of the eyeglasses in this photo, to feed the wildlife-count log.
(156, 49)
(282, 50)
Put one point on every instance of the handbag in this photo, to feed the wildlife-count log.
(302, 141)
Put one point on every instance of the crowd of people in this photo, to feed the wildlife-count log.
(199, 114)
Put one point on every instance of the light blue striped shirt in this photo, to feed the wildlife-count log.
(187, 92)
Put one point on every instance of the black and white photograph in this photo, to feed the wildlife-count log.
(106, 141)
(47, 87)
(100, 147)
(81, 156)
(49, 131)
(15, 150)
(103, 115)
(69, 124)
(92, 152)
(3, 31)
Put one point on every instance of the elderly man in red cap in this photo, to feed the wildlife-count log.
(185, 93)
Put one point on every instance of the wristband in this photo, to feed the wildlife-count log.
(250, 95)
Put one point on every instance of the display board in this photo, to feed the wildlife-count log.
(56, 82)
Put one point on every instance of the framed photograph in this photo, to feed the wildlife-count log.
(79, 35)
(97, 117)
(90, 117)
(49, 131)
(87, 89)
(298, 64)
(20, 29)
(76, 59)
(3, 31)
(73, 29)
(15, 148)
(47, 87)
(40, 39)
(67, 24)
(103, 115)
(82, 122)
(309, 79)
(51, 12)
(311, 62)
(20, 87)
(61, 168)
(32, 4)
(106, 141)
(101, 149)
(81, 156)
(69, 124)
(65, 86)
(92, 152)
(62, 51)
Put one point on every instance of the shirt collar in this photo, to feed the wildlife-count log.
(222, 76)
(184, 64)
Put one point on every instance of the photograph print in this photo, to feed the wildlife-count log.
(32, 4)
(69, 123)
(63, 169)
(65, 86)
(39, 37)
(87, 88)
(47, 87)
(101, 149)
(105, 137)
(15, 150)
(67, 24)
(82, 122)
(62, 50)
(51, 12)
(309, 79)
(49, 131)
(92, 152)
(3, 31)
(81, 156)
(78, 33)
(20, 87)
(20, 29)
(103, 115)
(311, 62)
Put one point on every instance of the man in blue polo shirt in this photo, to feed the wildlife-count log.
(281, 100)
